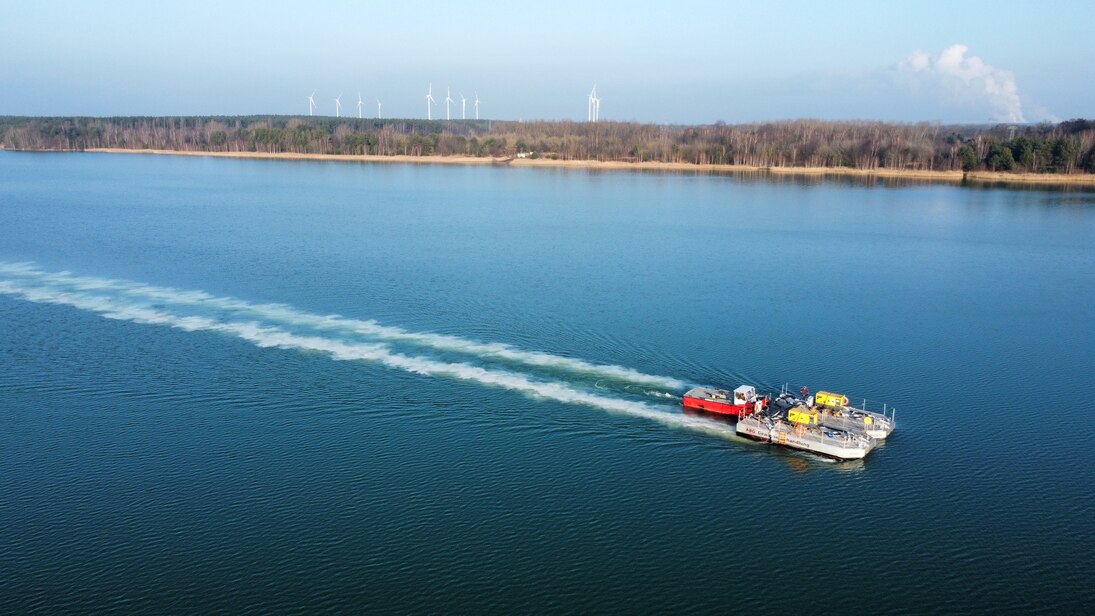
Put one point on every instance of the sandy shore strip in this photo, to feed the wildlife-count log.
(454, 160)
(908, 174)
(1083, 179)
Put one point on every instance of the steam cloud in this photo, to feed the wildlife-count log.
(968, 79)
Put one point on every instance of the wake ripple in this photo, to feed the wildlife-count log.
(289, 316)
(268, 327)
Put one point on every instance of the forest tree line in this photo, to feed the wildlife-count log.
(1067, 147)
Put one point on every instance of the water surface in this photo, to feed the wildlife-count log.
(255, 386)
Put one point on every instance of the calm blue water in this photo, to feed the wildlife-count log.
(487, 425)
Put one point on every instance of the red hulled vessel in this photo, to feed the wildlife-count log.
(740, 402)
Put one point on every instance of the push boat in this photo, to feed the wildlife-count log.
(741, 401)
(834, 412)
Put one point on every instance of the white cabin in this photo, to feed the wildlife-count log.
(745, 394)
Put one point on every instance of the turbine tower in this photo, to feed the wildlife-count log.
(591, 105)
(476, 105)
(312, 103)
(448, 100)
(338, 105)
(463, 107)
(360, 104)
(429, 103)
(596, 108)
(378, 108)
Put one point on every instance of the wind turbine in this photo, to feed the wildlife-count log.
(596, 108)
(378, 108)
(312, 103)
(463, 107)
(338, 105)
(429, 103)
(360, 104)
(448, 99)
(591, 105)
(476, 105)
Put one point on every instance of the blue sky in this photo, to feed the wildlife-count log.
(666, 62)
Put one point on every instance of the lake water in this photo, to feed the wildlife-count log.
(262, 386)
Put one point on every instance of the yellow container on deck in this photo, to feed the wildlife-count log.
(825, 398)
(802, 415)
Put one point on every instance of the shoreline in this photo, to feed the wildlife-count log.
(984, 177)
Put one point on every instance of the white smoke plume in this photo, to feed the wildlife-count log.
(967, 79)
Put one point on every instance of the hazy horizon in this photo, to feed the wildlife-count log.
(689, 63)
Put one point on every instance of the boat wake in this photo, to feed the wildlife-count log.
(288, 316)
(282, 326)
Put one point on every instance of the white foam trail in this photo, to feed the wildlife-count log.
(265, 336)
(288, 315)
(662, 394)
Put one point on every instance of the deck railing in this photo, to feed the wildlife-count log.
(843, 439)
